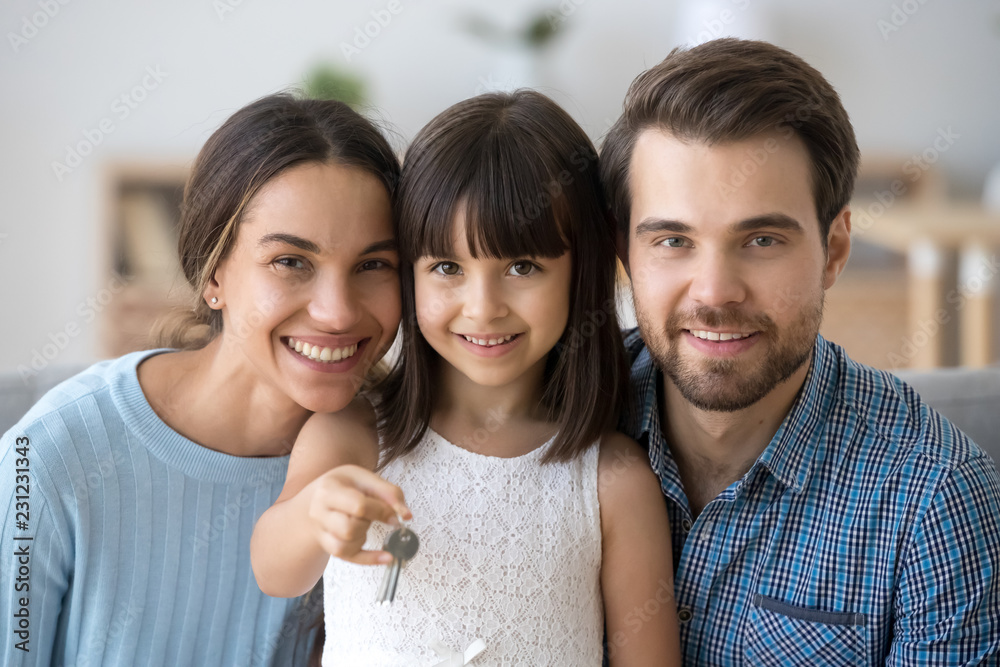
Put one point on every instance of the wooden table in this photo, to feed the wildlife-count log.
(928, 234)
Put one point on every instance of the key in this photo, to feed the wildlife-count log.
(402, 543)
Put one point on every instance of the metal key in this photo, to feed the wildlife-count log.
(402, 543)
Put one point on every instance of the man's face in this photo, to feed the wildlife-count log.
(728, 268)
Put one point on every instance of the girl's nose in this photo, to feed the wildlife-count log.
(483, 300)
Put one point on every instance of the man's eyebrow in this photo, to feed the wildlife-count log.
(655, 225)
(769, 221)
(765, 221)
(288, 239)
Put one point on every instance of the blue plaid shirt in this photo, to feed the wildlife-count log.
(867, 533)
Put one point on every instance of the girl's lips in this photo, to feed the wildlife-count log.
(492, 351)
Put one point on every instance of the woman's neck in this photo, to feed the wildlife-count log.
(220, 402)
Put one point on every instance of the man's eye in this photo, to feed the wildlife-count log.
(446, 268)
(522, 268)
(763, 241)
(674, 242)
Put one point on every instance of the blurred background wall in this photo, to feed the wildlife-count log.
(96, 91)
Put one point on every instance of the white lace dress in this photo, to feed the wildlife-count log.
(510, 554)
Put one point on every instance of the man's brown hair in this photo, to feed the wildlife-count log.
(728, 90)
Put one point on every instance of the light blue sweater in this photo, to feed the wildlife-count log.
(140, 538)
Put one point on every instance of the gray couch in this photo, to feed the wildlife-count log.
(969, 398)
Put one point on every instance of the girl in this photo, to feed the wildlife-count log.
(149, 471)
(539, 526)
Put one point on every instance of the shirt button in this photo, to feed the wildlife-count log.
(684, 615)
(686, 525)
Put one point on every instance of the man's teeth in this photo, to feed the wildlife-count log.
(488, 342)
(714, 335)
(317, 353)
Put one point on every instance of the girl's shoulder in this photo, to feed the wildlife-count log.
(624, 473)
(349, 433)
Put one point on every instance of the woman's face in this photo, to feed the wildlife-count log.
(310, 291)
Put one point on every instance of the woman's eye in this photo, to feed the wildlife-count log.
(763, 241)
(674, 242)
(375, 265)
(447, 268)
(522, 269)
(290, 263)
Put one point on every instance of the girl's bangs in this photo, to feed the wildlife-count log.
(511, 205)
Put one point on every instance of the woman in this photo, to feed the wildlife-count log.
(141, 478)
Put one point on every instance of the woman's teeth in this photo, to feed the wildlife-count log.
(488, 342)
(317, 353)
(712, 335)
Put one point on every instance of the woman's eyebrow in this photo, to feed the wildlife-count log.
(288, 239)
(381, 246)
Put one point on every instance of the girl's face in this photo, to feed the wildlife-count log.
(310, 291)
(492, 319)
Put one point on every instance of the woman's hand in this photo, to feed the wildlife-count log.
(343, 504)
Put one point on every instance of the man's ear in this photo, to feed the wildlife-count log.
(838, 247)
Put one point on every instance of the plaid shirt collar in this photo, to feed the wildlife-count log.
(788, 457)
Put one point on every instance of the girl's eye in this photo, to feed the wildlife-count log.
(290, 263)
(674, 242)
(446, 268)
(763, 241)
(522, 268)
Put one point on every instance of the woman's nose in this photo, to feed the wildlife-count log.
(335, 305)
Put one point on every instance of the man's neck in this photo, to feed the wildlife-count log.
(714, 449)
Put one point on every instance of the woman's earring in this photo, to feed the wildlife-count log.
(215, 300)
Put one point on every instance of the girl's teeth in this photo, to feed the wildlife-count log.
(488, 342)
(317, 353)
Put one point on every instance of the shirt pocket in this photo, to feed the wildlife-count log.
(784, 634)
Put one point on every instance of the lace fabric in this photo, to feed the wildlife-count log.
(510, 553)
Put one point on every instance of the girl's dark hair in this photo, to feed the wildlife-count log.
(526, 177)
(254, 145)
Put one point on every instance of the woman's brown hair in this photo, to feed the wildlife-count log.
(525, 175)
(254, 145)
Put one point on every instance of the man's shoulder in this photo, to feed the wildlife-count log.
(895, 415)
(634, 345)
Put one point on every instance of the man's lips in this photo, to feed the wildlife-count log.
(723, 336)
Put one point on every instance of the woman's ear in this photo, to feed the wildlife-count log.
(838, 247)
(213, 294)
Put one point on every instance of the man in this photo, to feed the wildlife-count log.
(821, 513)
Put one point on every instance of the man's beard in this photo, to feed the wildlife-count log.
(728, 385)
